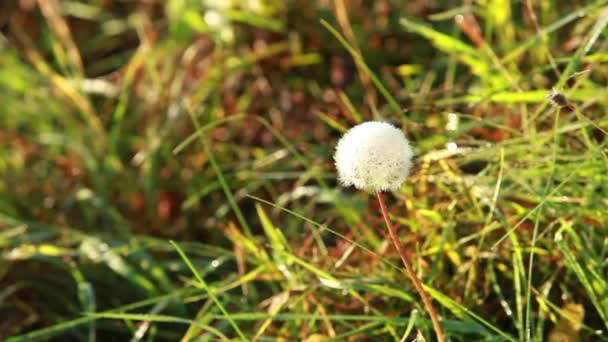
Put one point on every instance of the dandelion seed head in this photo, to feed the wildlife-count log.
(373, 156)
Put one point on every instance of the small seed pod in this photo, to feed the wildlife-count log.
(558, 99)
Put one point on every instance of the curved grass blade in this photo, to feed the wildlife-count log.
(210, 291)
(462, 312)
(582, 274)
(359, 59)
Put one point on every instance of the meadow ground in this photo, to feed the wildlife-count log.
(166, 170)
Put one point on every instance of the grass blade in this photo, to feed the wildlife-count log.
(209, 291)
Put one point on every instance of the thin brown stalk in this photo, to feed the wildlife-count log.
(344, 22)
(410, 270)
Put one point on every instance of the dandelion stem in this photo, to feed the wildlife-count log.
(410, 270)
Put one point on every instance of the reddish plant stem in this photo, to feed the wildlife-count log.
(410, 271)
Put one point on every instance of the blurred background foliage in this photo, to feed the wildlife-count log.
(126, 124)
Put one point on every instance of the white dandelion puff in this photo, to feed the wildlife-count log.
(376, 156)
(373, 156)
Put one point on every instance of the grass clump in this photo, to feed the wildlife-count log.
(126, 125)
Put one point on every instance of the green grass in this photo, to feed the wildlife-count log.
(166, 170)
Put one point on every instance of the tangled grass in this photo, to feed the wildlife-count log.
(127, 125)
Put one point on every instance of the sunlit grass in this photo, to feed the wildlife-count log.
(214, 127)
